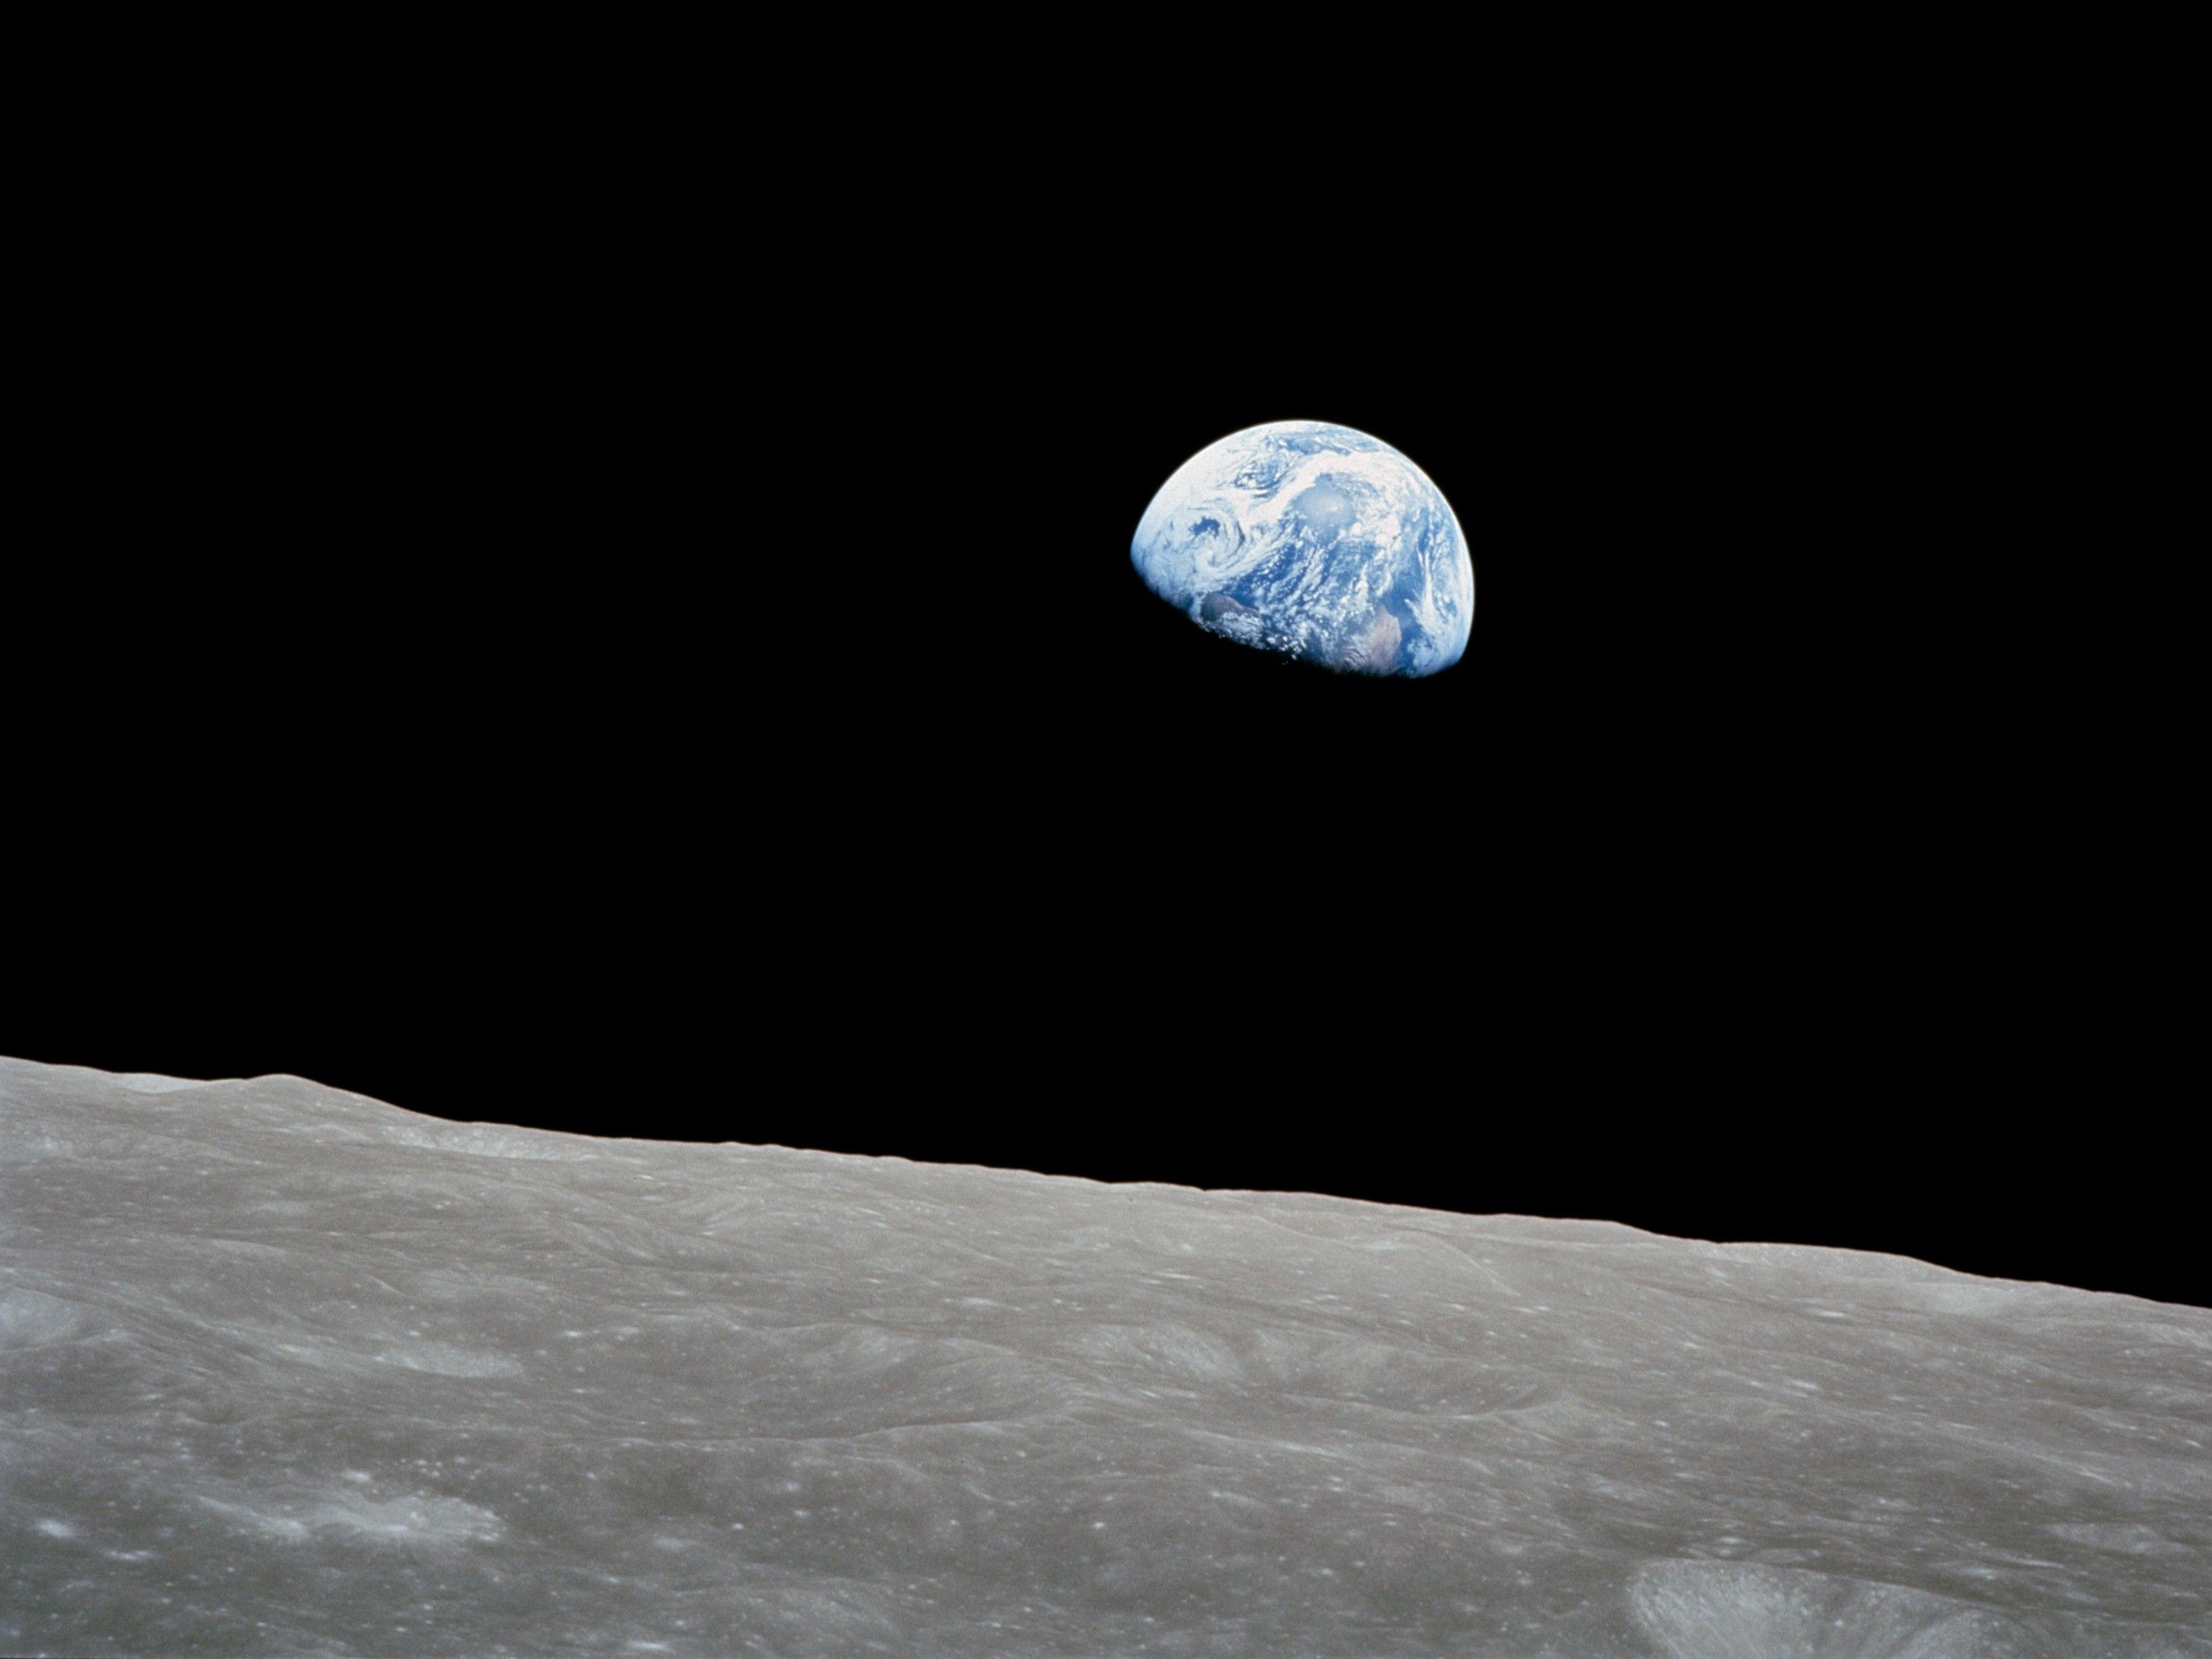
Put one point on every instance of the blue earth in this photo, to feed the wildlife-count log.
(1315, 541)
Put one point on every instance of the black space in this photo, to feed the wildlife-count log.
(565, 648)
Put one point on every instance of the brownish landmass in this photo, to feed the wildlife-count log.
(1375, 651)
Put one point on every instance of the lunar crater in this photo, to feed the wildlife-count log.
(288, 1370)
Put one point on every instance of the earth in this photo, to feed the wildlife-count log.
(1316, 541)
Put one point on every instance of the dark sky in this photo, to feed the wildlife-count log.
(555, 683)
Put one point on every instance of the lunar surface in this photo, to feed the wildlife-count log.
(287, 1370)
(1315, 541)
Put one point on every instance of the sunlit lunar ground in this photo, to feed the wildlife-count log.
(286, 1370)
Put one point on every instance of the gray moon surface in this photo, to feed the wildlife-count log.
(288, 1370)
